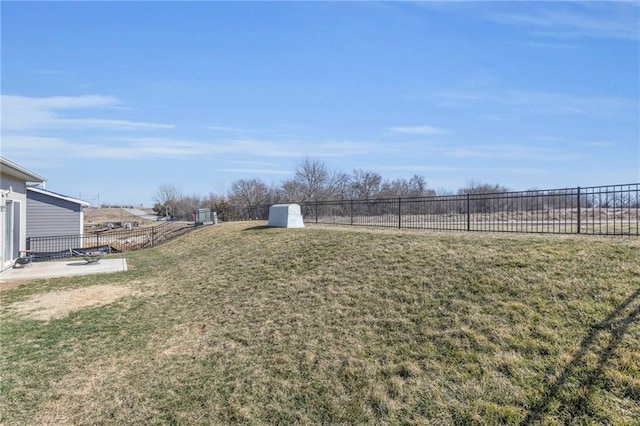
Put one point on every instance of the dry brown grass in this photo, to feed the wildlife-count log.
(58, 304)
(244, 324)
(97, 218)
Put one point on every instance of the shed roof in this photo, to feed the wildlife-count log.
(59, 196)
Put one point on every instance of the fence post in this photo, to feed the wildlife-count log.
(153, 234)
(316, 211)
(399, 212)
(579, 211)
(468, 211)
(97, 239)
(351, 214)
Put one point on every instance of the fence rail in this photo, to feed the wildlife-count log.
(602, 210)
(56, 247)
(597, 210)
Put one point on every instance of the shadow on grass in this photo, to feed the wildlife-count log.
(257, 228)
(615, 326)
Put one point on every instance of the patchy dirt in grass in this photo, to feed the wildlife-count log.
(11, 285)
(59, 304)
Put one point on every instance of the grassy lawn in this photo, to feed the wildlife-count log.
(243, 324)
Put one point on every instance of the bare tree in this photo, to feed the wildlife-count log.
(414, 187)
(418, 187)
(482, 204)
(249, 193)
(339, 187)
(442, 191)
(166, 198)
(291, 190)
(394, 188)
(212, 200)
(312, 177)
(365, 184)
(474, 187)
(219, 204)
(186, 206)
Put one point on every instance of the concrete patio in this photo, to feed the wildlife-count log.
(66, 268)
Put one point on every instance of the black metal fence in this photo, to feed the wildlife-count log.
(602, 210)
(61, 246)
(233, 213)
(598, 210)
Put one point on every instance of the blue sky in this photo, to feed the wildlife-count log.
(117, 98)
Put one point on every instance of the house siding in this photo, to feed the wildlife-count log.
(50, 216)
(9, 182)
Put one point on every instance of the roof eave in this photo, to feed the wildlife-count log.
(12, 169)
(59, 196)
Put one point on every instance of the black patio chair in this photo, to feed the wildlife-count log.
(23, 261)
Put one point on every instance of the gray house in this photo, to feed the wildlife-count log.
(13, 212)
(51, 214)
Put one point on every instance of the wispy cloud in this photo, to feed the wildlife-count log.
(498, 117)
(129, 148)
(31, 127)
(418, 130)
(297, 148)
(36, 146)
(559, 140)
(546, 138)
(110, 124)
(231, 129)
(33, 113)
(512, 151)
(50, 72)
(554, 46)
(52, 147)
(616, 19)
(602, 144)
(422, 168)
(247, 163)
(256, 167)
(263, 148)
(455, 98)
(344, 147)
(250, 171)
(519, 102)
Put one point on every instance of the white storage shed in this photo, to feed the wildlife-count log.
(285, 216)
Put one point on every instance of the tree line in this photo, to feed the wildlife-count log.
(312, 181)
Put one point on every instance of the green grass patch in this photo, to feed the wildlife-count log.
(243, 324)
